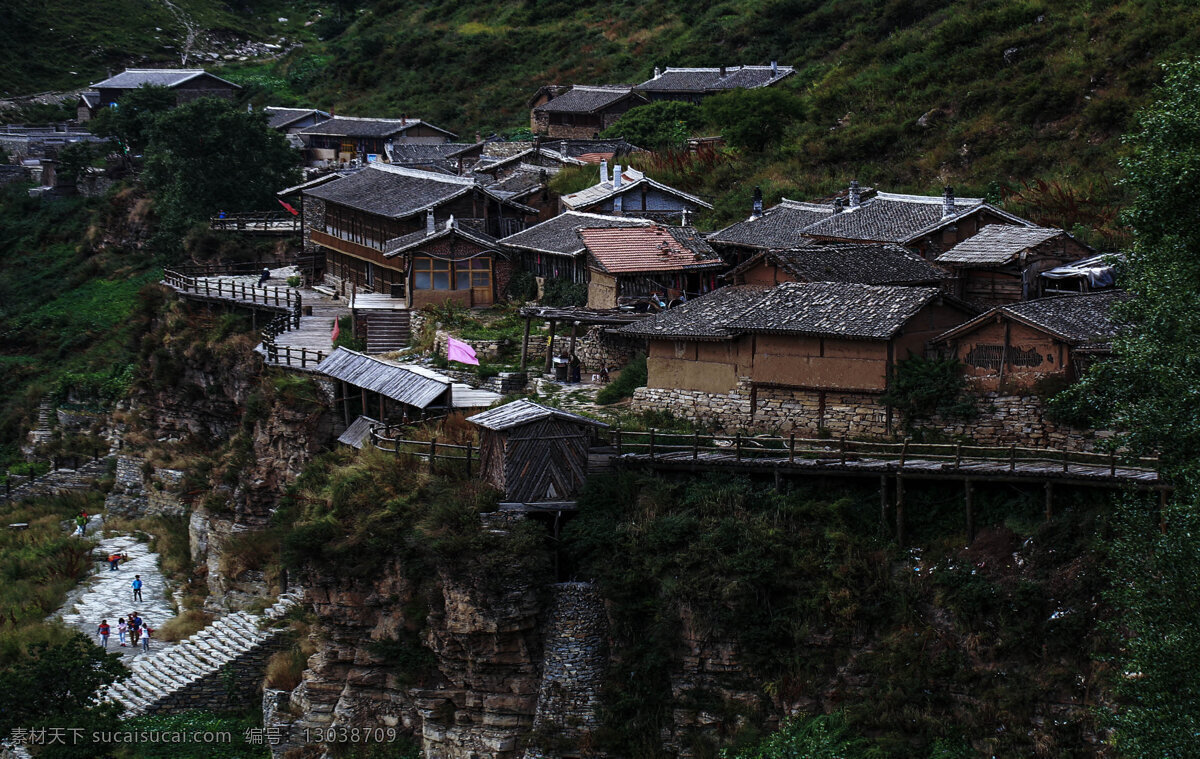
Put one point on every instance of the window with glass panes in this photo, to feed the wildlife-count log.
(431, 274)
(475, 272)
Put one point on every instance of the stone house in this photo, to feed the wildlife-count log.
(862, 263)
(692, 85)
(806, 356)
(647, 264)
(553, 248)
(342, 139)
(629, 192)
(1013, 347)
(360, 222)
(777, 228)
(583, 111)
(187, 84)
(87, 106)
(1002, 263)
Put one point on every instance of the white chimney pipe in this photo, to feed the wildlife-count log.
(616, 180)
(430, 225)
(855, 194)
(774, 68)
(657, 72)
(604, 171)
(948, 201)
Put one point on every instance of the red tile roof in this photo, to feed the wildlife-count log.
(626, 250)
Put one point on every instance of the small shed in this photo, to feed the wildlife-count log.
(533, 452)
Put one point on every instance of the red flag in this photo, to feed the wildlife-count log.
(337, 330)
(289, 207)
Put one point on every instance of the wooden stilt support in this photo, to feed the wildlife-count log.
(525, 345)
(883, 500)
(574, 330)
(550, 345)
(346, 403)
(1049, 500)
(900, 536)
(969, 496)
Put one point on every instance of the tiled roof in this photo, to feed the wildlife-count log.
(131, 79)
(392, 191)
(523, 412)
(419, 154)
(353, 126)
(1081, 320)
(585, 98)
(629, 250)
(997, 244)
(835, 309)
(865, 264)
(890, 217)
(778, 227)
(560, 235)
(703, 318)
(90, 98)
(449, 228)
(279, 118)
(407, 383)
(710, 79)
(631, 179)
(522, 182)
(580, 148)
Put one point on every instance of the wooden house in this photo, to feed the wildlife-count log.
(629, 192)
(863, 263)
(187, 84)
(342, 139)
(1015, 346)
(365, 225)
(292, 120)
(553, 249)
(1002, 263)
(692, 85)
(644, 263)
(777, 228)
(534, 453)
(87, 106)
(583, 111)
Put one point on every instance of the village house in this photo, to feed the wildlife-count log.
(652, 264)
(1014, 347)
(629, 192)
(553, 249)
(187, 84)
(292, 120)
(1001, 263)
(804, 356)
(342, 139)
(862, 263)
(87, 106)
(694, 84)
(582, 111)
(364, 225)
(776, 228)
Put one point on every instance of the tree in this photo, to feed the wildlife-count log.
(752, 119)
(131, 121)
(1150, 392)
(657, 126)
(210, 155)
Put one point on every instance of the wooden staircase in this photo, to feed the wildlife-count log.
(387, 330)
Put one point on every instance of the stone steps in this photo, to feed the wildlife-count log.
(158, 681)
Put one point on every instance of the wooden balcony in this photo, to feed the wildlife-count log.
(358, 250)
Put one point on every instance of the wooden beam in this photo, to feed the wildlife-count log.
(1049, 500)
(550, 345)
(525, 345)
(969, 496)
(900, 536)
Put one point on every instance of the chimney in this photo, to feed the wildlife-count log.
(855, 195)
(947, 201)
(479, 137)
(756, 209)
(837, 205)
(657, 72)
(604, 171)
(774, 68)
(722, 72)
(616, 181)
(403, 119)
(430, 224)
(683, 218)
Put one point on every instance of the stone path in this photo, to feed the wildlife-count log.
(107, 595)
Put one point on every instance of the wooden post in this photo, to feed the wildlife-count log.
(1066, 461)
(525, 345)
(883, 495)
(792, 448)
(904, 451)
(900, 510)
(738, 445)
(550, 345)
(969, 495)
(1112, 464)
(1049, 500)
(842, 449)
(958, 456)
(468, 458)
(1012, 458)
(695, 445)
(651, 443)
(346, 403)
(574, 329)
(432, 451)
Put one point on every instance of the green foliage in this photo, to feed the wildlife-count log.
(753, 119)
(921, 387)
(560, 292)
(346, 337)
(193, 722)
(74, 158)
(522, 286)
(132, 123)
(632, 376)
(825, 736)
(658, 126)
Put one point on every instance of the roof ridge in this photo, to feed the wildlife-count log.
(930, 199)
(422, 174)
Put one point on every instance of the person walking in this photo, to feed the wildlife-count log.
(137, 587)
(135, 622)
(266, 274)
(103, 631)
(80, 523)
(122, 629)
(145, 637)
(114, 560)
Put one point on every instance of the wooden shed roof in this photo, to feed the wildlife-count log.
(522, 412)
(408, 384)
(997, 244)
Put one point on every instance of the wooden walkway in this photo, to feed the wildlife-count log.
(300, 346)
(273, 223)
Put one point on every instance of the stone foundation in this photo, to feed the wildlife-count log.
(135, 495)
(595, 348)
(1020, 420)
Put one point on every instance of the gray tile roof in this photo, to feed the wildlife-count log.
(1080, 320)
(524, 412)
(353, 126)
(711, 80)
(997, 244)
(584, 98)
(865, 264)
(449, 228)
(278, 117)
(392, 191)
(131, 79)
(889, 217)
(422, 154)
(560, 235)
(704, 318)
(406, 383)
(834, 309)
(631, 180)
(577, 148)
(779, 227)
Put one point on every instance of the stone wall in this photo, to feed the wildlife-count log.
(1019, 419)
(595, 347)
(232, 686)
(135, 495)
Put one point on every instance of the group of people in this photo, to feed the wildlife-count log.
(132, 626)
(575, 369)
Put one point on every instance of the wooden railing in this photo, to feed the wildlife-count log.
(263, 221)
(243, 268)
(656, 443)
(228, 289)
(288, 355)
(427, 450)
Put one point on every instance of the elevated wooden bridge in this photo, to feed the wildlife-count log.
(259, 223)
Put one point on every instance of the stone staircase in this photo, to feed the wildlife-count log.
(387, 330)
(58, 480)
(208, 670)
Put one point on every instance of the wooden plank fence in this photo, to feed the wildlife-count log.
(270, 222)
(233, 290)
(426, 450)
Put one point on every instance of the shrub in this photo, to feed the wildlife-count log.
(522, 286)
(921, 387)
(183, 626)
(665, 124)
(631, 378)
(559, 292)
